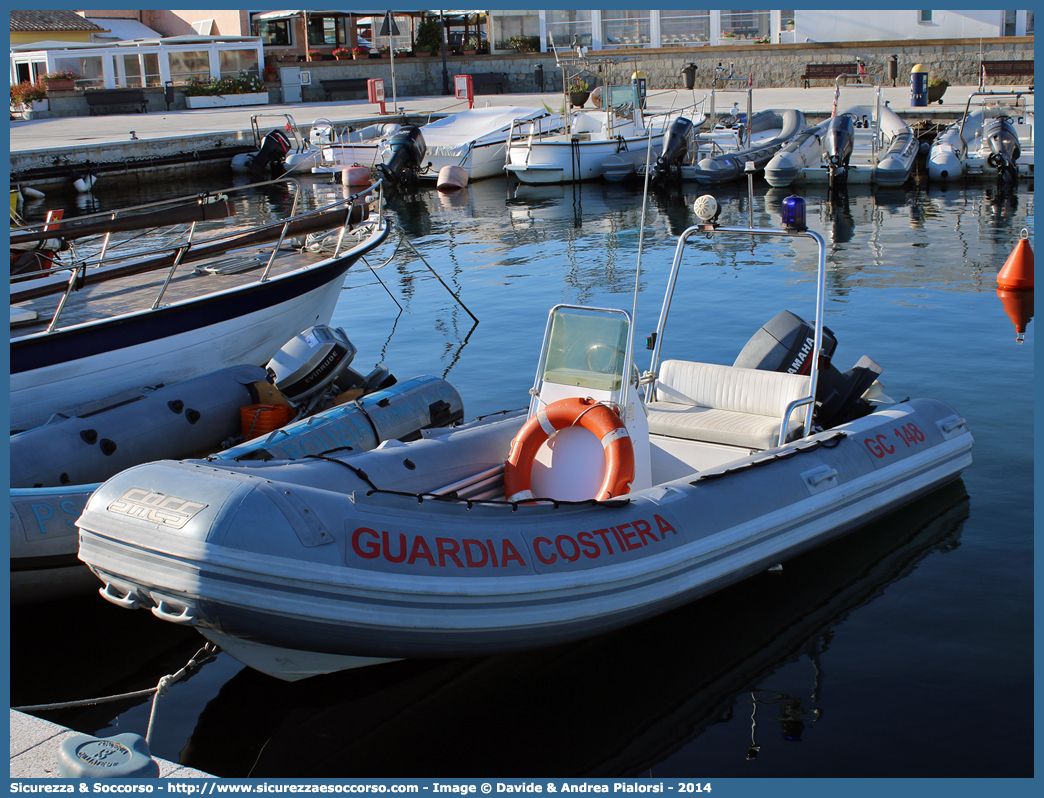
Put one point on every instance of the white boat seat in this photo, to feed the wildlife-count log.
(725, 404)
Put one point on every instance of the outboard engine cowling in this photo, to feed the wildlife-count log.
(837, 147)
(406, 150)
(786, 343)
(274, 148)
(675, 148)
(1000, 134)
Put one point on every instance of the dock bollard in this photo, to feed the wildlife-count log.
(124, 756)
(919, 86)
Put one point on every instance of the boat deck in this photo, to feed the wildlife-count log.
(140, 292)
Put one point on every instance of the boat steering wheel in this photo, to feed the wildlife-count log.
(604, 359)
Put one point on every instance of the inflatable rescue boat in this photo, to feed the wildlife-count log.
(239, 413)
(612, 498)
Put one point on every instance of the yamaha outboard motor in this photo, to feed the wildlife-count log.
(675, 147)
(274, 148)
(786, 344)
(1004, 150)
(407, 150)
(837, 145)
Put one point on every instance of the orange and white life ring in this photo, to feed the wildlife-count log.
(601, 419)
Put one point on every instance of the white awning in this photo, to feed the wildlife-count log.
(123, 30)
(272, 16)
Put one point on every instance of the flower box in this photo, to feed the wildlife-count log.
(227, 100)
(60, 84)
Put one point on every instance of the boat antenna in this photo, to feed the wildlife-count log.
(641, 233)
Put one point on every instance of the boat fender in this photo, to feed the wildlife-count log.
(598, 418)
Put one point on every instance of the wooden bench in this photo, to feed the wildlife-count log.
(495, 80)
(827, 71)
(99, 98)
(1005, 68)
(343, 84)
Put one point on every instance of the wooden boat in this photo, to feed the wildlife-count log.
(611, 499)
(119, 317)
(992, 140)
(864, 144)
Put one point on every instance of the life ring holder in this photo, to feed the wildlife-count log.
(596, 417)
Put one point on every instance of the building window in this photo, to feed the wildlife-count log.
(1029, 22)
(275, 33)
(924, 17)
(745, 24)
(786, 20)
(235, 61)
(516, 29)
(625, 29)
(194, 65)
(89, 66)
(138, 70)
(1009, 23)
(562, 26)
(684, 28)
(325, 31)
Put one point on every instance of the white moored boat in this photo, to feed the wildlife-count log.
(284, 149)
(438, 548)
(473, 140)
(864, 144)
(993, 140)
(620, 137)
(128, 314)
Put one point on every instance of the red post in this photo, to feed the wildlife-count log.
(375, 92)
(463, 89)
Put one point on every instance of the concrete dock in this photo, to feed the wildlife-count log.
(113, 138)
(34, 751)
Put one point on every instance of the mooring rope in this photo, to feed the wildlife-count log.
(200, 658)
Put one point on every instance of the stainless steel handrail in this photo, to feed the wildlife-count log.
(80, 269)
(711, 229)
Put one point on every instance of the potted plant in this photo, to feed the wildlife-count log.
(579, 91)
(524, 44)
(342, 54)
(29, 97)
(61, 81)
(385, 51)
(429, 38)
(314, 55)
(471, 46)
(936, 89)
(360, 52)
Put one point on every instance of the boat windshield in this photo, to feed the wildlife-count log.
(587, 348)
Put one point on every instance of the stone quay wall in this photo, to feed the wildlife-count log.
(773, 65)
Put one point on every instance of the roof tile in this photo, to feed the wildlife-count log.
(50, 19)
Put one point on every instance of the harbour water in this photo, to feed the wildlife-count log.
(902, 650)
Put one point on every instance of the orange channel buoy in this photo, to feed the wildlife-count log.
(1017, 271)
(1018, 304)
